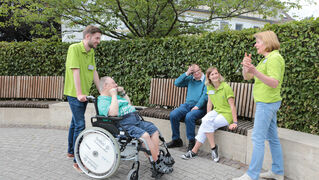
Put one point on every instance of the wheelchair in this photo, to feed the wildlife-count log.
(99, 149)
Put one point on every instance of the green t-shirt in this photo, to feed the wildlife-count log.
(220, 98)
(78, 58)
(104, 103)
(273, 65)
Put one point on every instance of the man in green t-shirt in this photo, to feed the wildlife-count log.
(80, 71)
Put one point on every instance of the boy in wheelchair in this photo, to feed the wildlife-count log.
(111, 104)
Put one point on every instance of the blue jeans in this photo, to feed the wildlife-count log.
(184, 111)
(78, 123)
(265, 128)
(135, 127)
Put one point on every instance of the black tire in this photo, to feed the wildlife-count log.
(132, 175)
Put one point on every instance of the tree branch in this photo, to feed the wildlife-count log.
(233, 13)
(175, 19)
(140, 26)
(158, 11)
(127, 23)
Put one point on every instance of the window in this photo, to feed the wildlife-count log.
(239, 27)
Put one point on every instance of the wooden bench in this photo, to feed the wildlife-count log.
(165, 96)
(25, 90)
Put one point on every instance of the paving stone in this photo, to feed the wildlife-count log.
(38, 153)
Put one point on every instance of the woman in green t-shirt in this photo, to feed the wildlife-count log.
(221, 97)
(268, 76)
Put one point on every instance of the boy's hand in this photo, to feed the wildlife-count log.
(113, 92)
(120, 89)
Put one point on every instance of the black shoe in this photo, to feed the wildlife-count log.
(163, 168)
(175, 143)
(191, 144)
(166, 158)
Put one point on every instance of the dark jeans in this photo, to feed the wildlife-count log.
(78, 123)
(184, 111)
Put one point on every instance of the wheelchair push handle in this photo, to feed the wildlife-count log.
(90, 98)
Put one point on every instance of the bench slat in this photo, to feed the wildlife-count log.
(38, 87)
(244, 101)
(165, 93)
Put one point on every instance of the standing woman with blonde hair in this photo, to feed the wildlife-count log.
(221, 97)
(268, 76)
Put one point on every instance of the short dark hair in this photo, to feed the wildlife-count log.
(193, 64)
(91, 30)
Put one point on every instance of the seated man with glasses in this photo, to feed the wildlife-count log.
(194, 107)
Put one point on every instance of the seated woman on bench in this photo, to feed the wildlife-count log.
(221, 96)
(112, 104)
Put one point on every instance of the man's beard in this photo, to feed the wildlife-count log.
(91, 44)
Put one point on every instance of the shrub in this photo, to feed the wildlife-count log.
(133, 63)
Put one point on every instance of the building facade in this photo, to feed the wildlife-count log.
(249, 20)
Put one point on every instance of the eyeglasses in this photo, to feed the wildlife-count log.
(196, 71)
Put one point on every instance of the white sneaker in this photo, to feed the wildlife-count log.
(243, 177)
(272, 175)
(188, 155)
(215, 155)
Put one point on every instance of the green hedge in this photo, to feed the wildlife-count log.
(133, 63)
(41, 57)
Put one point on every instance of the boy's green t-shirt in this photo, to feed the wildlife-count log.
(273, 65)
(78, 58)
(220, 98)
(104, 103)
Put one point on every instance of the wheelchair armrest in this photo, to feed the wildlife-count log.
(139, 108)
(110, 118)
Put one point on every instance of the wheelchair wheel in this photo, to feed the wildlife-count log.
(132, 175)
(97, 153)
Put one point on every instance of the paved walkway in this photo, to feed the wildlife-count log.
(37, 153)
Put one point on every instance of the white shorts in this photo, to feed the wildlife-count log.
(210, 122)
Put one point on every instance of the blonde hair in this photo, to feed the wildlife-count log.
(210, 70)
(269, 39)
